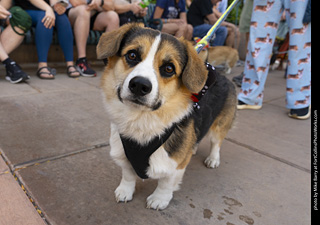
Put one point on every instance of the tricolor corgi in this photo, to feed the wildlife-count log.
(161, 100)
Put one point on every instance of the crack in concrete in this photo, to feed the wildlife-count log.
(269, 155)
(34, 162)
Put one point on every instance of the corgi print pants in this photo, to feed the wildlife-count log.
(265, 18)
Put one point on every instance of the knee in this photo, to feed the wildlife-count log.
(82, 12)
(112, 16)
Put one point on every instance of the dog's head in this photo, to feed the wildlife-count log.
(149, 67)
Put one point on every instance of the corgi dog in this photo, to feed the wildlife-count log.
(264, 8)
(221, 55)
(152, 86)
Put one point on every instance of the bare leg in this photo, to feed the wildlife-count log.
(106, 21)
(9, 41)
(47, 73)
(3, 54)
(80, 21)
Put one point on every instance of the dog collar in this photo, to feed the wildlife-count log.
(196, 97)
(139, 155)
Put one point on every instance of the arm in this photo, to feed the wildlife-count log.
(183, 17)
(123, 7)
(217, 15)
(158, 14)
(6, 3)
(101, 5)
(212, 18)
(76, 3)
(108, 5)
(49, 18)
(3, 12)
(58, 8)
(216, 12)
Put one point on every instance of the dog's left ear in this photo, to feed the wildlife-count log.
(109, 43)
(195, 73)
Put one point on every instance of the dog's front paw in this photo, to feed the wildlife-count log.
(123, 193)
(158, 201)
(212, 162)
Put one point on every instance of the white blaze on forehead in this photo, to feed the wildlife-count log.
(145, 69)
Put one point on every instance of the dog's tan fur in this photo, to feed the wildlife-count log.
(220, 55)
(142, 123)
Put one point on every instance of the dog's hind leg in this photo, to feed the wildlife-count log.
(213, 160)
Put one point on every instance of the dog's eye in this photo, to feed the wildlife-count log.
(167, 70)
(132, 57)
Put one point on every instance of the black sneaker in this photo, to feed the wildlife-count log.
(15, 73)
(238, 79)
(301, 114)
(84, 68)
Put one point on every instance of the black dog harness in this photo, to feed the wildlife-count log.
(139, 155)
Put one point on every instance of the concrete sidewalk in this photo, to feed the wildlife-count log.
(54, 138)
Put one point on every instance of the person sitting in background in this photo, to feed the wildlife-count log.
(85, 15)
(202, 17)
(44, 18)
(129, 10)
(174, 17)
(233, 37)
(11, 38)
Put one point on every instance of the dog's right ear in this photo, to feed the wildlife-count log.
(109, 43)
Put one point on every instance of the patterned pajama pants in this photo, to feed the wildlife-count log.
(264, 23)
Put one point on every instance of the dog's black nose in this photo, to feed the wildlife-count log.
(140, 86)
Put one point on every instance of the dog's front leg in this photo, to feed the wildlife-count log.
(161, 197)
(125, 190)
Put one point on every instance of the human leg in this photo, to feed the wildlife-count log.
(80, 21)
(259, 49)
(14, 73)
(244, 27)
(299, 58)
(65, 37)
(189, 31)
(201, 30)
(178, 30)
(10, 40)
(106, 21)
(43, 39)
(220, 38)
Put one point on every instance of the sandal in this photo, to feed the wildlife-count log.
(51, 72)
(70, 73)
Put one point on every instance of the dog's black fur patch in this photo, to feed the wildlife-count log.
(211, 104)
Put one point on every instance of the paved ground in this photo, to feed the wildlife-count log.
(54, 139)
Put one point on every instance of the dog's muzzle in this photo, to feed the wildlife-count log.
(139, 90)
(140, 86)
